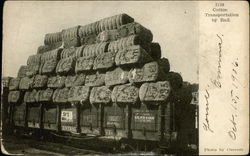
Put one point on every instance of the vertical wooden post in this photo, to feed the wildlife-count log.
(11, 114)
(78, 112)
(58, 107)
(102, 131)
(41, 116)
(26, 115)
(162, 119)
(129, 130)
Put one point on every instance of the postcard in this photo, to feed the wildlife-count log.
(125, 77)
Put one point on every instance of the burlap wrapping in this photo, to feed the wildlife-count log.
(65, 65)
(56, 82)
(55, 95)
(101, 48)
(71, 52)
(14, 96)
(104, 61)
(71, 42)
(93, 28)
(53, 54)
(80, 79)
(89, 29)
(31, 96)
(63, 95)
(70, 80)
(22, 71)
(26, 83)
(60, 95)
(95, 79)
(149, 72)
(49, 61)
(125, 94)
(89, 50)
(70, 37)
(124, 43)
(26, 96)
(109, 23)
(155, 91)
(90, 39)
(116, 76)
(175, 80)
(49, 66)
(68, 52)
(40, 81)
(79, 52)
(14, 83)
(52, 38)
(155, 51)
(135, 29)
(84, 64)
(164, 64)
(114, 22)
(79, 94)
(100, 95)
(33, 70)
(33, 65)
(88, 33)
(75, 80)
(95, 49)
(36, 95)
(107, 36)
(45, 48)
(45, 95)
(132, 55)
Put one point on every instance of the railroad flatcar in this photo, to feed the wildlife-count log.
(141, 125)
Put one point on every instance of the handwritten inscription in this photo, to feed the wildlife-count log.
(234, 100)
(206, 124)
(216, 81)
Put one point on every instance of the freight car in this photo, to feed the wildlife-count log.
(106, 85)
(145, 126)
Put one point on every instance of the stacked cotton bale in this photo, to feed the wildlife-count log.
(16, 84)
(51, 41)
(110, 60)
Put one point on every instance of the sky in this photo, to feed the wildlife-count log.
(174, 26)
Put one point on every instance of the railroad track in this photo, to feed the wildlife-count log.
(67, 150)
(30, 146)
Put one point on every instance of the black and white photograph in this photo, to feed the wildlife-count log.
(110, 77)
